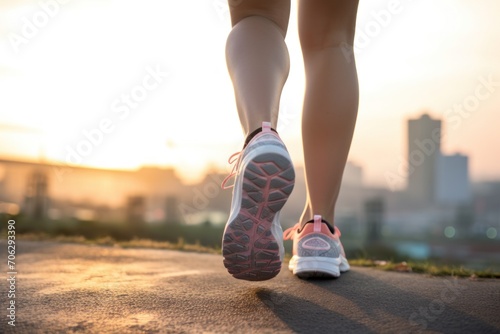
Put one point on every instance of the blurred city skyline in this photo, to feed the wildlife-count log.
(422, 218)
(129, 84)
(429, 178)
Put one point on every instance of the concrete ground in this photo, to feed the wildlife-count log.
(71, 288)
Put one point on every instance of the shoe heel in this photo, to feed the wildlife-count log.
(317, 267)
(250, 247)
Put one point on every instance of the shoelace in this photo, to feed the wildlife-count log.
(234, 160)
(236, 157)
(289, 233)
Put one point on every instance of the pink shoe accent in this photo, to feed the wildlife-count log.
(266, 126)
(317, 223)
(316, 243)
(235, 158)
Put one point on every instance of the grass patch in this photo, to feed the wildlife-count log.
(134, 243)
(425, 268)
(428, 268)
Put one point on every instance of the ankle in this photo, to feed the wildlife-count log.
(330, 225)
(254, 133)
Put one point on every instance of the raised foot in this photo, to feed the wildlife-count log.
(251, 251)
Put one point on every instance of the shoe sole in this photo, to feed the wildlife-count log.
(250, 248)
(318, 267)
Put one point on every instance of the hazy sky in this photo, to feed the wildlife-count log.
(151, 76)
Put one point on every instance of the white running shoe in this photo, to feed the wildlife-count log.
(317, 252)
(252, 243)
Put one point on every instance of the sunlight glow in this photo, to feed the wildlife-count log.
(92, 62)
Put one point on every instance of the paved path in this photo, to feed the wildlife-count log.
(69, 288)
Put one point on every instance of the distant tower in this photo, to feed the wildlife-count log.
(36, 199)
(374, 213)
(172, 209)
(424, 149)
(452, 184)
(136, 209)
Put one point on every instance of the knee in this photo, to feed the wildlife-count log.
(325, 39)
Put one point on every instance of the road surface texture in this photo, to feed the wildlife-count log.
(72, 288)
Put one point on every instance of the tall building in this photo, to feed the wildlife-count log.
(374, 215)
(172, 209)
(350, 201)
(136, 209)
(452, 184)
(36, 201)
(424, 147)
